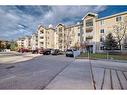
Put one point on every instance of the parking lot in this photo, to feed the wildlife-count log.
(60, 72)
(32, 74)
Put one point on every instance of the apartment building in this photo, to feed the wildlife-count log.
(24, 42)
(106, 25)
(27, 42)
(90, 31)
(20, 42)
(67, 36)
(45, 37)
(34, 41)
(95, 29)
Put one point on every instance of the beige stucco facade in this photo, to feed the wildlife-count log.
(34, 41)
(96, 29)
(91, 30)
(45, 37)
(20, 43)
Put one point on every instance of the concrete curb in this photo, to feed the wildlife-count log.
(109, 60)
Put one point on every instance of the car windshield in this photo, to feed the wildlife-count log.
(69, 50)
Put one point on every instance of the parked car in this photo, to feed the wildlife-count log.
(70, 52)
(35, 51)
(55, 52)
(23, 50)
(40, 51)
(47, 52)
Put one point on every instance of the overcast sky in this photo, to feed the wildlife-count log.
(18, 21)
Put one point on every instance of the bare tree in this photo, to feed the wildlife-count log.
(84, 45)
(120, 30)
(69, 35)
(125, 42)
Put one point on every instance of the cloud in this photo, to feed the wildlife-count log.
(17, 21)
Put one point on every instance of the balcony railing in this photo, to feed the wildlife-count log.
(41, 40)
(89, 37)
(41, 34)
(89, 29)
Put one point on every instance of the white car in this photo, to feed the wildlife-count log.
(70, 52)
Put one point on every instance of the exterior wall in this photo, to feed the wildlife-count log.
(27, 42)
(89, 32)
(50, 38)
(63, 37)
(34, 41)
(45, 37)
(56, 40)
(67, 37)
(73, 36)
(107, 24)
(41, 37)
(20, 43)
(60, 32)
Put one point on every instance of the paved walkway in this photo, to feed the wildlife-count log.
(109, 75)
(78, 75)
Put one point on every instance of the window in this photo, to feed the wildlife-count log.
(42, 31)
(60, 29)
(89, 22)
(69, 29)
(102, 30)
(101, 22)
(118, 18)
(101, 39)
(102, 48)
(78, 34)
(42, 42)
(42, 37)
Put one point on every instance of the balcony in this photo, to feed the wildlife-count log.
(41, 34)
(89, 38)
(89, 29)
(41, 40)
(89, 34)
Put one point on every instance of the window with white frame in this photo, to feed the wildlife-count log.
(118, 18)
(102, 22)
(102, 31)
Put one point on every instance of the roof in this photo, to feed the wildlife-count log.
(60, 24)
(89, 13)
(74, 25)
(107, 17)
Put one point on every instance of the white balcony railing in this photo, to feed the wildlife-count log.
(41, 34)
(41, 40)
(89, 33)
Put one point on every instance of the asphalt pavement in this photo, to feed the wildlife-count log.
(36, 73)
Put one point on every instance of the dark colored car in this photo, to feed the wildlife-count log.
(35, 51)
(70, 52)
(47, 52)
(55, 52)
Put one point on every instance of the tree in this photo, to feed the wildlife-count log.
(110, 43)
(84, 45)
(2, 46)
(125, 42)
(76, 46)
(13, 46)
(120, 30)
(69, 36)
(7, 45)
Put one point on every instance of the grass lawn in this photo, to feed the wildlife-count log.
(104, 56)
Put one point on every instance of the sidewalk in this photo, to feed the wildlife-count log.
(76, 76)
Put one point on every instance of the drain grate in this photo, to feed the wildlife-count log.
(10, 67)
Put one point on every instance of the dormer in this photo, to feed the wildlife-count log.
(89, 15)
